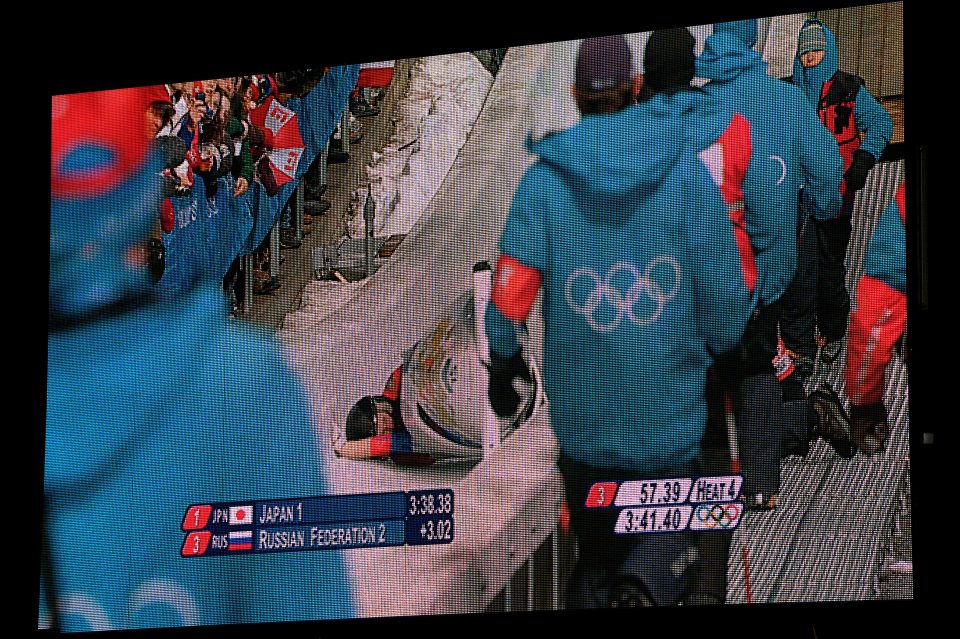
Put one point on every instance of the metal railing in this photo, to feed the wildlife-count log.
(540, 582)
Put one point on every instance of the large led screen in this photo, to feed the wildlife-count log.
(609, 322)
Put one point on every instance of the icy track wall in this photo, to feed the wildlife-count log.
(433, 120)
(346, 338)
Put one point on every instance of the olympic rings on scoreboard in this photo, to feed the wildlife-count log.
(718, 515)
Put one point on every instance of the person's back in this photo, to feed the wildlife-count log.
(628, 236)
(149, 413)
(621, 223)
(785, 134)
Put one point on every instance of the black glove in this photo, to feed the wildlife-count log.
(856, 175)
(300, 82)
(172, 150)
(504, 398)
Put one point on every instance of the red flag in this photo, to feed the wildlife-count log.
(284, 145)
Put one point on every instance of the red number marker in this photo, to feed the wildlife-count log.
(195, 544)
(601, 494)
(197, 517)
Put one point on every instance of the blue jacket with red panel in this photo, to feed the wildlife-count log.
(879, 316)
(843, 104)
(622, 225)
(786, 138)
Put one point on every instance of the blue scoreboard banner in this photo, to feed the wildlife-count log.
(341, 522)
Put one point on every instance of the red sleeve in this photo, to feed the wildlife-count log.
(515, 287)
(737, 149)
(380, 445)
(375, 77)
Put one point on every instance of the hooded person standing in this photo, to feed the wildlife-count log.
(773, 415)
(862, 129)
(786, 135)
(154, 405)
(622, 226)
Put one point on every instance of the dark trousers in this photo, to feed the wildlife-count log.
(769, 426)
(313, 187)
(833, 300)
(818, 295)
(743, 375)
(233, 283)
(710, 584)
(659, 564)
(798, 304)
(740, 375)
(772, 417)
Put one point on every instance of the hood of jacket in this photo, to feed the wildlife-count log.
(811, 80)
(728, 52)
(612, 157)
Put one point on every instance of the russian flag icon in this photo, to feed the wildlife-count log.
(241, 540)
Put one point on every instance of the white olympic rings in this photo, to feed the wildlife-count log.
(624, 302)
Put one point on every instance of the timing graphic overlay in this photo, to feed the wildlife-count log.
(338, 522)
(671, 505)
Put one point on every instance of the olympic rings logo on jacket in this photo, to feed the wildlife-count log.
(623, 302)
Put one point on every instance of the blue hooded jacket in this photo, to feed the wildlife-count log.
(149, 412)
(787, 138)
(641, 281)
(871, 119)
(885, 255)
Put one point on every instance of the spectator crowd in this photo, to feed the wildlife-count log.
(220, 137)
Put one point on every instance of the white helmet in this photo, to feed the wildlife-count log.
(443, 397)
